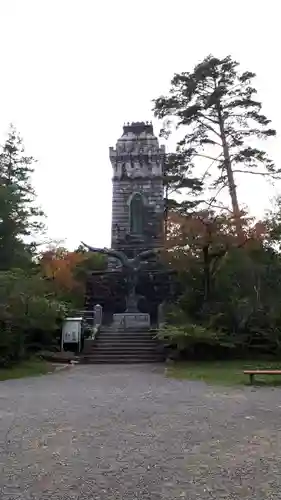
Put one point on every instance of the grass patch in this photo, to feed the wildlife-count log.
(29, 368)
(225, 372)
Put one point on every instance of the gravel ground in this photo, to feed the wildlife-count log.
(127, 432)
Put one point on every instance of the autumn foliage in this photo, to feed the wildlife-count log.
(59, 265)
(69, 271)
(208, 233)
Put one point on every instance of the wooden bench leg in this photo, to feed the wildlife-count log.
(251, 378)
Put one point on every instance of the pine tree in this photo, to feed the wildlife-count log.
(178, 179)
(216, 107)
(20, 219)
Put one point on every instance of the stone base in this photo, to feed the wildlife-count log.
(131, 321)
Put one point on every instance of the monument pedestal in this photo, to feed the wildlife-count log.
(131, 321)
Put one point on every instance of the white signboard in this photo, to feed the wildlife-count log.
(71, 331)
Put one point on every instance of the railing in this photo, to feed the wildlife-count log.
(92, 321)
(87, 320)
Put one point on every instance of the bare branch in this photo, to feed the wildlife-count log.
(209, 118)
(222, 207)
(210, 166)
(206, 156)
(210, 128)
(270, 174)
(218, 192)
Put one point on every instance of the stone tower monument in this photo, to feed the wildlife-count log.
(137, 201)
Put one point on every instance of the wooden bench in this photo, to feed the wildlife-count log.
(252, 373)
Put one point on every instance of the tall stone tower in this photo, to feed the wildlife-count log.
(137, 202)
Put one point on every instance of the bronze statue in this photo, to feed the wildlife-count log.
(131, 267)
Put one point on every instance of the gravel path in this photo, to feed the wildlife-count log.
(126, 432)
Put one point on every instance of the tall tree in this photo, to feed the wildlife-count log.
(216, 105)
(19, 216)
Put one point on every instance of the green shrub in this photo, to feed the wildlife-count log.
(29, 314)
(187, 336)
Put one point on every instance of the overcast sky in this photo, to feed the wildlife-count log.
(73, 71)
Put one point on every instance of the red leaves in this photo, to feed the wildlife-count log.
(188, 236)
(59, 265)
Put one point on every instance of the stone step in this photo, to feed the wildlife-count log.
(122, 355)
(106, 357)
(116, 335)
(122, 346)
(121, 342)
(134, 347)
(121, 359)
(128, 354)
(128, 332)
(125, 347)
(126, 342)
(134, 330)
(130, 361)
(120, 350)
(131, 340)
(113, 346)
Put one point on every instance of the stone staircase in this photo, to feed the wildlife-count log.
(113, 346)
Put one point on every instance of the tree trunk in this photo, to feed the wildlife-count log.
(230, 177)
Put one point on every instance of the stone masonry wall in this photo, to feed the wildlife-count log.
(137, 165)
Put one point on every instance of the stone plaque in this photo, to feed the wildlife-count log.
(134, 321)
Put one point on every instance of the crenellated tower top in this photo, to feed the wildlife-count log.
(137, 153)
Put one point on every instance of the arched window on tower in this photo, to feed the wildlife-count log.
(137, 214)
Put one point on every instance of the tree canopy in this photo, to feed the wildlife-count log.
(222, 123)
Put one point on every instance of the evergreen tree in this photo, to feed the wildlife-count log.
(216, 106)
(20, 219)
(178, 179)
